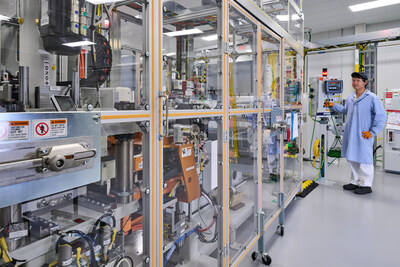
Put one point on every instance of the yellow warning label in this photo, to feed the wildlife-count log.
(58, 121)
(19, 123)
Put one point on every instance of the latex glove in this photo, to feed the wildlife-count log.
(366, 135)
(328, 104)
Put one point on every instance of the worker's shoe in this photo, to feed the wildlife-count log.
(362, 190)
(350, 187)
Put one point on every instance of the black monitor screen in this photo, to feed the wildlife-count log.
(65, 103)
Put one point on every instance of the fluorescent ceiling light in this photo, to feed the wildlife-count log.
(81, 43)
(97, 2)
(286, 17)
(373, 4)
(4, 17)
(184, 32)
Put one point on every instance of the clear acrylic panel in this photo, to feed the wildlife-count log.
(190, 165)
(242, 60)
(243, 174)
(191, 55)
(271, 169)
(278, 10)
(296, 25)
(270, 70)
(293, 77)
(292, 151)
(74, 56)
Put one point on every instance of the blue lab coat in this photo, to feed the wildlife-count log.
(366, 114)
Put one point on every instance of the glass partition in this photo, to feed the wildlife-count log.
(242, 61)
(191, 55)
(278, 10)
(73, 67)
(243, 176)
(270, 69)
(270, 88)
(190, 177)
(293, 77)
(292, 150)
(296, 25)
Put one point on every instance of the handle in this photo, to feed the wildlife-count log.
(164, 95)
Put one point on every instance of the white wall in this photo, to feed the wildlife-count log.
(340, 66)
(388, 67)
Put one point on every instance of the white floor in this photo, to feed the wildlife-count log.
(333, 227)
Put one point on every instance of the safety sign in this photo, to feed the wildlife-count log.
(50, 128)
(14, 130)
(18, 130)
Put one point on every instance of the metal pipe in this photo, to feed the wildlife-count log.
(124, 168)
(23, 91)
(75, 87)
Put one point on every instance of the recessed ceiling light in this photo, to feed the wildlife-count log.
(373, 4)
(183, 32)
(80, 43)
(4, 17)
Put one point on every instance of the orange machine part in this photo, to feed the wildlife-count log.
(190, 175)
(138, 163)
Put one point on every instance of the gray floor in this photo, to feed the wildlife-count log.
(333, 227)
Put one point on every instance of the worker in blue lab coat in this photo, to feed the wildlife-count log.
(366, 117)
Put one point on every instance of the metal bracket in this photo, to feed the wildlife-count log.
(226, 136)
(226, 48)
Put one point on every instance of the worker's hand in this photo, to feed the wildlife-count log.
(366, 135)
(328, 104)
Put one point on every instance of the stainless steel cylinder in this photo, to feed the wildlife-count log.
(105, 238)
(23, 91)
(124, 169)
(75, 88)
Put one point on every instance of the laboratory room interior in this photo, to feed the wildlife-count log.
(199, 133)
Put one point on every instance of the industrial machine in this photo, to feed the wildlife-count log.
(391, 138)
(331, 128)
(114, 152)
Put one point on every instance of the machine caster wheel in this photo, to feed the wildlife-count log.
(254, 255)
(266, 259)
(281, 230)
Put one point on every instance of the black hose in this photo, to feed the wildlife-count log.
(93, 232)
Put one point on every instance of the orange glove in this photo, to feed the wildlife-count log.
(366, 135)
(328, 104)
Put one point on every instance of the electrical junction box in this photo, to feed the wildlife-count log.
(321, 90)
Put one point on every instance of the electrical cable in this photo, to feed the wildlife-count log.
(200, 234)
(100, 219)
(180, 239)
(126, 259)
(88, 240)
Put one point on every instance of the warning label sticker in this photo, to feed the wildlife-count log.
(186, 152)
(3, 130)
(18, 130)
(58, 127)
(49, 128)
